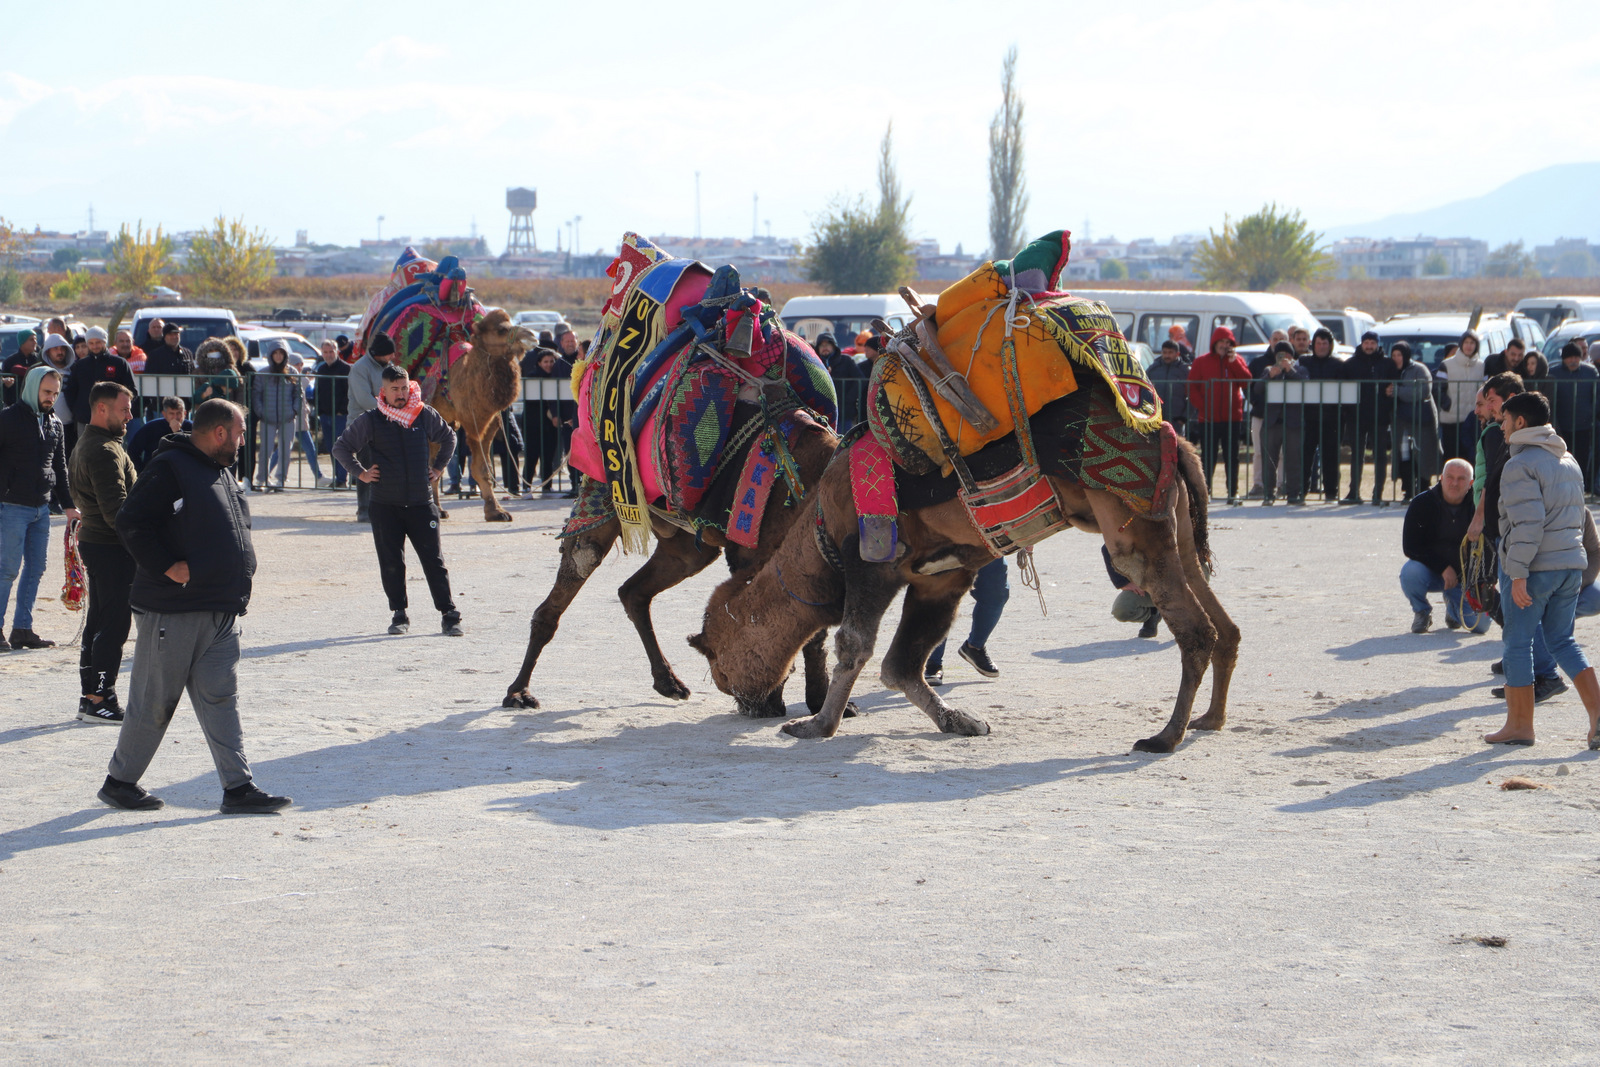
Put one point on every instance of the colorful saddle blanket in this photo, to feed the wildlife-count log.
(428, 311)
(656, 403)
(1059, 339)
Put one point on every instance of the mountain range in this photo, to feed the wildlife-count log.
(1537, 208)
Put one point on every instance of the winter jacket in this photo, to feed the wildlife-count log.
(88, 372)
(1539, 380)
(1172, 386)
(1435, 528)
(33, 453)
(1572, 394)
(366, 382)
(399, 452)
(1414, 412)
(1377, 367)
(1541, 505)
(1492, 461)
(277, 397)
(16, 367)
(102, 474)
(143, 444)
(1463, 377)
(186, 507)
(849, 385)
(332, 388)
(1214, 392)
(163, 359)
(1289, 414)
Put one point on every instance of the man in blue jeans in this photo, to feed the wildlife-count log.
(1436, 523)
(991, 589)
(1541, 563)
(33, 474)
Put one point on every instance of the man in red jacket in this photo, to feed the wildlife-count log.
(1216, 406)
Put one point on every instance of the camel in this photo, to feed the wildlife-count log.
(482, 384)
(679, 555)
(754, 623)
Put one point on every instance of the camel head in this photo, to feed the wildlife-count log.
(495, 335)
(755, 681)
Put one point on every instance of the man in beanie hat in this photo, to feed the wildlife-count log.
(100, 365)
(33, 475)
(366, 382)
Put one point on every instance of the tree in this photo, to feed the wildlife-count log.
(138, 259)
(894, 206)
(11, 248)
(1008, 193)
(1113, 268)
(1578, 263)
(74, 285)
(65, 258)
(1269, 248)
(1509, 261)
(856, 249)
(230, 261)
(1436, 266)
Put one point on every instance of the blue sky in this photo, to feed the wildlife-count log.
(1145, 118)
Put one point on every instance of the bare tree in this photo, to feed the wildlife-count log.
(1008, 193)
(894, 206)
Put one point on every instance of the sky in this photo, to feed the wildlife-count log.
(1143, 118)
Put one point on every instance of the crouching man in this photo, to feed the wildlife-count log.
(186, 524)
(396, 435)
(1436, 523)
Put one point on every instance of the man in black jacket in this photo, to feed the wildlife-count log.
(33, 475)
(333, 401)
(1366, 426)
(15, 367)
(1436, 523)
(396, 436)
(147, 438)
(100, 365)
(187, 526)
(169, 357)
(1321, 420)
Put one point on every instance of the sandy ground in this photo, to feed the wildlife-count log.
(617, 877)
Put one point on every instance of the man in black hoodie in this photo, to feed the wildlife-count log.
(169, 357)
(849, 381)
(187, 526)
(1321, 421)
(1367, 365)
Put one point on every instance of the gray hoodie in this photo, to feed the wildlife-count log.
(366, 382)
(1541, 505)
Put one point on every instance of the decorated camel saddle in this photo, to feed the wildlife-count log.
(1004, 380)
(689, 402)
(428, 311)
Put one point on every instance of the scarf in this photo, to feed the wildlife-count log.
(407, 415)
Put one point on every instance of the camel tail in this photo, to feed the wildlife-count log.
(1199, 501)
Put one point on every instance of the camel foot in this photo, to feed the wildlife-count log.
(671, 686)
(952, 721)
(523, 699)
(1159, 743)
(850, 709)
(497, 516)
(807, 729)
(814, 701)
(1210, 721)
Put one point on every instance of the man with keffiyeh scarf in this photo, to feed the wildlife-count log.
(396, 436)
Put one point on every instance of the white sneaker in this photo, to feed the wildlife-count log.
(324, 483)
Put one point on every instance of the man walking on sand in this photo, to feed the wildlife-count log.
(187, 525)
(395, 438)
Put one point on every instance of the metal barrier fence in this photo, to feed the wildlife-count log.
(1376, 440)
(530, 452)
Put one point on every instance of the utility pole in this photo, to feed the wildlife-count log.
(380, 227)
(755, 213)
(577, 234)
(697, 205)
(91, 218)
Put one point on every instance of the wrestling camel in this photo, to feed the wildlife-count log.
(481, 384)
(755, 623)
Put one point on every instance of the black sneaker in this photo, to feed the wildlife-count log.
(450, 625)
(129, 796)
(105, 713)
(1497, 667)
(248, 800)
(1451, 621)
(1421, 622)
(979, 658)
(400, 624)
(1150, 624)
(934, 676)
(1548, 688)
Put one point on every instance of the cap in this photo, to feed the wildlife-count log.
(1370, 335)
(560, 329)
(1571, 351)
(382, 344)
(97, 333)
(171, 327)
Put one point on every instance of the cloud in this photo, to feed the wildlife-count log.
(401, 51)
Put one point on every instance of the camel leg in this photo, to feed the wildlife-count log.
(674, 559)
(1226, 653)
(815, 657)
(929, 610)
(483, 471)
(438, 504)
(867, 596)
(580, 556)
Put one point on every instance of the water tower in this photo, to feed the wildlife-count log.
(519, 239)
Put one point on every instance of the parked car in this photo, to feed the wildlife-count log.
(1551, 311)
(12, 333)
(1346, 324)
(302, 353)
(1429, 334)
(1588, 329)
(539, 320)
(843, 316)
(196, 324)
(160, 294)
(1146, 316)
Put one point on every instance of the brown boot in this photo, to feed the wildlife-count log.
(1518, 729)
(29, 639)
(1588, 687)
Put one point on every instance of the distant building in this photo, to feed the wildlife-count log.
(1420, 257)
(1568, 257)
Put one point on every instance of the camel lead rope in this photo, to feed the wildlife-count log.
(1030, 576)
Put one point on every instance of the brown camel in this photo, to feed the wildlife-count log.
(755, 623)
(678, 555)
(482, 384)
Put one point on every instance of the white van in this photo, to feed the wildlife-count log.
(1551, 311)
(1346, 324)
(1146, 315)
(842, 316)
(196, 323)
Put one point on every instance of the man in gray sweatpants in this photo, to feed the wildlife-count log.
(187, 526)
